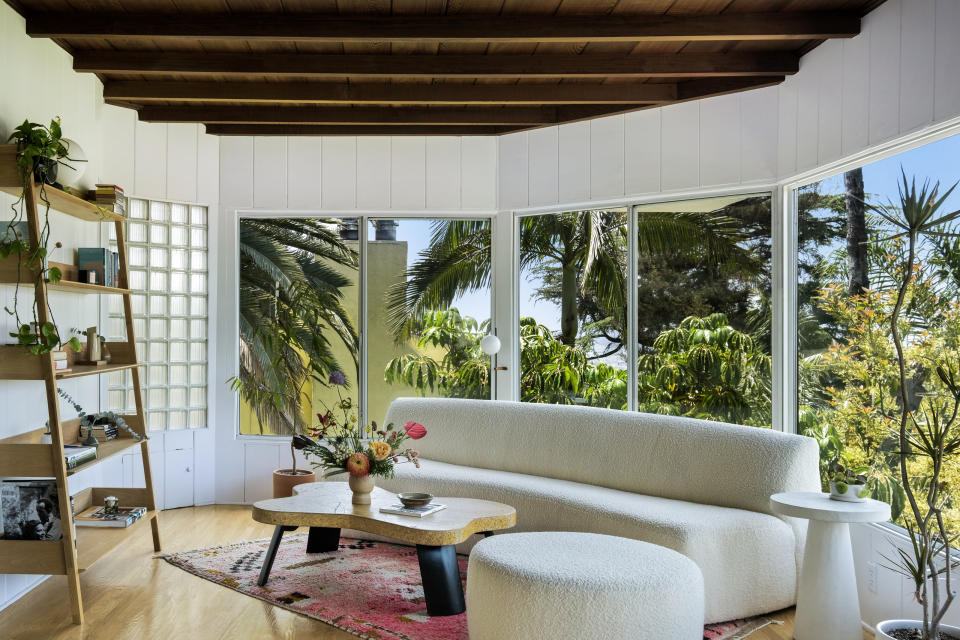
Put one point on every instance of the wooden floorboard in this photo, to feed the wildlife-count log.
(130, 595)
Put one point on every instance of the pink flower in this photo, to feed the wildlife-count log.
(415, 430)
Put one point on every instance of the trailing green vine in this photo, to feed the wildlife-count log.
(39, 150)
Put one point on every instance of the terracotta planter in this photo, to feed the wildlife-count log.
(885, 628)
(361, 487)
(284, 480)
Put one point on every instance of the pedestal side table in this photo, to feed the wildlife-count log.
(827, 602)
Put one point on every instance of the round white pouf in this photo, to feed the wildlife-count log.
(572, 586)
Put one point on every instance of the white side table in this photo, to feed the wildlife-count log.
(827, 602)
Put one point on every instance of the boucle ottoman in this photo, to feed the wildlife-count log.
(571, 586)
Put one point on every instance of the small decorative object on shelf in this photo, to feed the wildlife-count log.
(105, 354)
(89, 420)
(111, 505)
(363, 452)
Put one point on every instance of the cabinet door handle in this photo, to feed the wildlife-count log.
(188, 469)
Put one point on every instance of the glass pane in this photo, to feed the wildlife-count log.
(158, 305)
(158, 352)
(157, 420)
(158, 281)
(137, 231)
(138, 279)
(157, 398)
(158, 328)
(177, 420)
(178, 213)
(198, 306)
(178, 397)
(198, 238)
(158, 374)
(198, 283)
(703, 309)
(851, 265)
(139, 303)
(198, 215)
(178, 282)
(116, 328)
(138, 208)
(445, 336)
(178, 351)
(137, 256)
(198, 260)
(198, 328)
(573, 320)
(178, 305)
(178, 374)
(198, 396)
(158, 234)
(336, 305)
(178, 236)
(178, 328)
(198, 351)
(198, 419)
(159, 257)
(198, 374)
(178, 259)
(159, 211)
(139, 326)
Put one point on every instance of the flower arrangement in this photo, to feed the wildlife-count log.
(346, 446)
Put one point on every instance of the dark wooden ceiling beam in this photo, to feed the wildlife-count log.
(463, 28)
(386, 93)
(696, 89)
(348, 130)
(528, 116)
(434, 66)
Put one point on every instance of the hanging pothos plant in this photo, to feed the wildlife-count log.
(40, 150)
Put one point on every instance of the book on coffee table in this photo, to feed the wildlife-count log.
(97, 517)
(413, 512)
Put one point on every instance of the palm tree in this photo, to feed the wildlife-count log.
(586, 250)
(292, 272)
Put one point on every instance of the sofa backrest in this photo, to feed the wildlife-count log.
(680, 458)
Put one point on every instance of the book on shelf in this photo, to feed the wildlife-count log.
(77, 454)
(413, 512)
(58, 355)
(61, 365)
(29, 509)
(104, 262)
(98, 517)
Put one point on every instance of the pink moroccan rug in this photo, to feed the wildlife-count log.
(370, 589)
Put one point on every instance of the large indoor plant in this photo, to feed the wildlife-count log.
(40, 150)
(928, 429)
(364, 453)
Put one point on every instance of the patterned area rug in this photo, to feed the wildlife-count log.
(370, 589)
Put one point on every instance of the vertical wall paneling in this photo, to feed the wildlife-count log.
(339, 173)
(641, 152)
(855, 93)
(680, 147)
(514, 171)
(182, 162)
(606, 157)
(373, 172)
(270, 172)
(543, 166)
(720, 140)
(478, 172)
(208, 168)
(786, 142)
(304, 162)
(117, 143)
(443, 172)
(884, 26)
(808, 109)
(829, 126)
(758, 135)
(574, 164)
(260, 461)
(150, 161)
(947, 52)
(917, 57)
(179, 475)
(408, 174)
(236, 172)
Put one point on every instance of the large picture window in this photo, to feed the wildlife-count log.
(424, 285)
(850, 261)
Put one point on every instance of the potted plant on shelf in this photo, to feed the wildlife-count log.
(928, 430)
(362, 452)
(40, 150)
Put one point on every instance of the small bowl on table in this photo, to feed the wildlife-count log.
(415, 500)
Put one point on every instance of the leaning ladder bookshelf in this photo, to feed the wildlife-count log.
(26, 455)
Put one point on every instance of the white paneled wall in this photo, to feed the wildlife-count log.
(176, 162)
(895, 78)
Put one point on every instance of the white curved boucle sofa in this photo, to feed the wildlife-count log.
(701, 488)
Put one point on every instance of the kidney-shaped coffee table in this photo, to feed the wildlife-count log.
(326, 507)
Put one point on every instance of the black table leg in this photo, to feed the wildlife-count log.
(272, 553)
(322, 539)
(440, 574)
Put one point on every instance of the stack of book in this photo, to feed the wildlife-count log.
(60, 362)
(78, 454)
(111, 198)
(98, 517)
(105, 263)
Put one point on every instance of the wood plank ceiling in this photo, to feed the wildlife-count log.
(456, 67)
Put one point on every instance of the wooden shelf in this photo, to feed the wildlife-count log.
(59, 200)
(16, 363)
(80, 370)
(66, 285)
(93, 543)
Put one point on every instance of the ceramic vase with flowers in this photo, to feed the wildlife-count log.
(346, 446)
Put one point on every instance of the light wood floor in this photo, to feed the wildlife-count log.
(131, 595)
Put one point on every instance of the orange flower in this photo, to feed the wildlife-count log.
(381, 450)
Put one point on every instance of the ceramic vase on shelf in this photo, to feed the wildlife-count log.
(361, 487)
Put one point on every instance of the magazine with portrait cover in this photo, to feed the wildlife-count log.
(29, 509)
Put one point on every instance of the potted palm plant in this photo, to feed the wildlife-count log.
(928, 429)
(284, 480)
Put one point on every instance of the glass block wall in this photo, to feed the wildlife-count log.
(167, 254)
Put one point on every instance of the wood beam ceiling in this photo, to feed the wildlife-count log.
(352, 130)
(450, 28)
(440, 66)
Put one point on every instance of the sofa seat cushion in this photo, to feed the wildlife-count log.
(747, 558)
